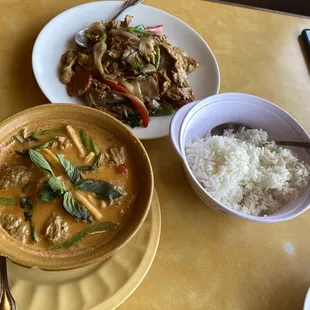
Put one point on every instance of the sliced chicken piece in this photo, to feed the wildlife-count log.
(68, 59)
(56, 228)
(181, 95)
(147, 49)
(126, 22)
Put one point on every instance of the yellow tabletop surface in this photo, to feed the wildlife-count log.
(205, 260)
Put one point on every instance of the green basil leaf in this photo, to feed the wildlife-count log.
(103, 190)
(71, 170)
(100, 227)
(54, 188)
(96, 166)
(56, 184)
(74, 208)
(48, 195)
(7, 201)
(26, 204)
(39, 160)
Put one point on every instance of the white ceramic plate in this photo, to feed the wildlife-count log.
(58, 35)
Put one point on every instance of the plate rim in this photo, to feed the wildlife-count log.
(55, 18)
(144, 266)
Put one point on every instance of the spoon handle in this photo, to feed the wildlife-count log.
(128, 4)
(7, 301)
(293, 143)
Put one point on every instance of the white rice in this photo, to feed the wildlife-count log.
(246, 172)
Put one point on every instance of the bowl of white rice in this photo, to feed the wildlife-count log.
(245, 173)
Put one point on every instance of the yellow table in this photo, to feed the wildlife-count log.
(205, 260)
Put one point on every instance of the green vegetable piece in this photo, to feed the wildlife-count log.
(31, 138)
(140, 27)
(46, 132)
(56, 184)
(141, 70)
(157, 57)
(96, 166)
(94, 147)
(54, 188)
(140, 32)
(41, 146)
(47, 194)
(100, 227)
(44, 145)
(165, 109)
(39, 160)
(84, 138)
(104, 36)
(71, 170)
(26, 204)
(74, 208)
(103, 190)
(7, 201)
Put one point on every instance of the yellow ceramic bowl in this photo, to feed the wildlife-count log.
(29, 256)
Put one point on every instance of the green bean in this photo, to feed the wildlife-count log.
(139, 31)
(45, 132)
(94, 146)
(165, 109)
(44, 145)
(95, 228)
(84, 138)
(7, 201)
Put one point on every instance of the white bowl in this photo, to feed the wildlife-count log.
(307, 301)
(198, 118)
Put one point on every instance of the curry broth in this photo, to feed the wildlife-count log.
(118, 211)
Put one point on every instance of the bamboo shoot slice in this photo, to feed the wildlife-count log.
(50, 156)
(92, 199)
(76, 140)
(89, 157)
(87, 204)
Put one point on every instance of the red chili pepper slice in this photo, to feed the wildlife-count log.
(123, 169)
(116, 86)
(137, 103)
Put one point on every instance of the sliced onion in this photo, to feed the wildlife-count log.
(125, 34)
